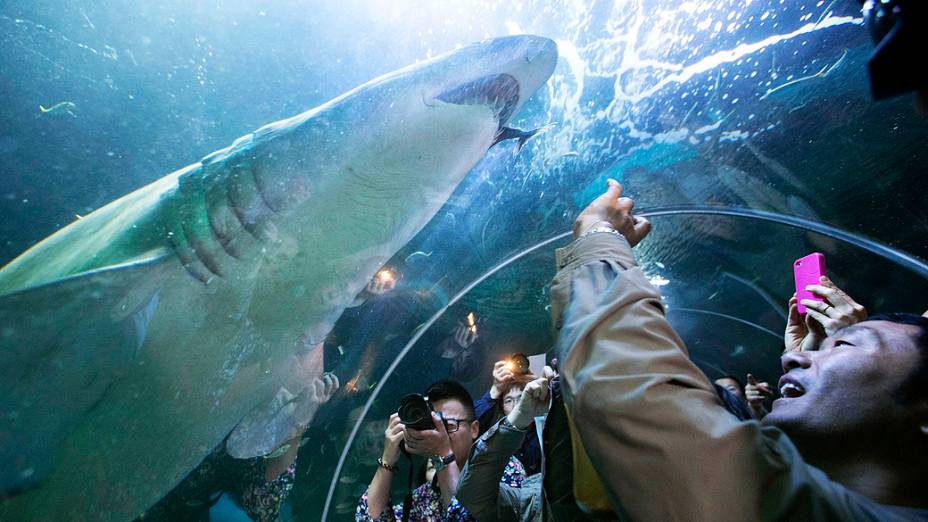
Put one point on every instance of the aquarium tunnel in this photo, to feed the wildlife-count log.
(184, 280)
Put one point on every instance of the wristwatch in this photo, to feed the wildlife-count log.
(440, 463)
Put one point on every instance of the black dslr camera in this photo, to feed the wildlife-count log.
(416, 412)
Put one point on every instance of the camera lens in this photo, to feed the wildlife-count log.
(415, 412)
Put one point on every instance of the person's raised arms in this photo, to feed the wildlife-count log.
(533, 402)
(823, 318)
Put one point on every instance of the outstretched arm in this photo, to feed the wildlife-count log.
(649, 419)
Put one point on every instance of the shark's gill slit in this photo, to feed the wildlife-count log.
(201, 251)
(186, 258)
(242, 206)
(221, 233)
(259, 188)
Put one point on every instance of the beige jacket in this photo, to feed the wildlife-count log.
(650, 420)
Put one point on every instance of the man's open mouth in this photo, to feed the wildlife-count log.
(790, 388)
(500, 92)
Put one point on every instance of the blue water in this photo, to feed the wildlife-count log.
(760, 106)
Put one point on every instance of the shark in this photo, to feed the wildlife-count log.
(134, 340)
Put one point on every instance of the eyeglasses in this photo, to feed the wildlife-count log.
(453, 425)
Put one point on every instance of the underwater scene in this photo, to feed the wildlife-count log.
(236, 233)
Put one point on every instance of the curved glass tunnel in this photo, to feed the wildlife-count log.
(731, 318)
(745, 129)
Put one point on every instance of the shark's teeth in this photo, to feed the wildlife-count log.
(500, 92)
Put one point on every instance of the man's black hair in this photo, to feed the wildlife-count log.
(915, 386)
(732, 377)
(449, 389)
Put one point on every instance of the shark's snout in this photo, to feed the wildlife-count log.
(500, 92)
(543, 49)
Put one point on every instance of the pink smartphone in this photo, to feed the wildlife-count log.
(807, 271)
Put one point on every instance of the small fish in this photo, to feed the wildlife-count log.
(132, 57)
(417, 253)
(89, 23)
(64, 106)
(508, 133)
(278, 452)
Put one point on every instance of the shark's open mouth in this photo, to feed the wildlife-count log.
(500, 92)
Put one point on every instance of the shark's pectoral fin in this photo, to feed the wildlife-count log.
(62, 346)
(268, 426)
(509, 133)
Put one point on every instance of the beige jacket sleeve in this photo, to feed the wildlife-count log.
(655, 429)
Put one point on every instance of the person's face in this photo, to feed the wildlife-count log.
(731, 385)
(511, 398)
(463, 438)
(848, 388)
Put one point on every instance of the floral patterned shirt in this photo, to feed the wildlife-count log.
(220, 473)
(426, 502)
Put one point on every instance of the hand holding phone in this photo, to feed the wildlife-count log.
(807, 271)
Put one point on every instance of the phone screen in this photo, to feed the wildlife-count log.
(807, 271)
